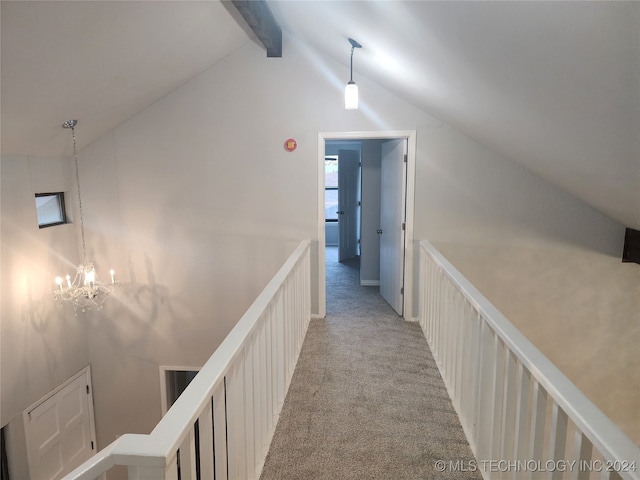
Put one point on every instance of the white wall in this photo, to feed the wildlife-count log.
(42, 343)
(195, 203)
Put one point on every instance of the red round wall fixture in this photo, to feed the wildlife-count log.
(290, 145)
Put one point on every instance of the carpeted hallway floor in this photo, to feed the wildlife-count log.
(366, 400)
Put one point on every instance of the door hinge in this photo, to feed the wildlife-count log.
(359, 203)
(92, 447)
(402, 291)
(87, 389)
(404, 226)
(405, 158)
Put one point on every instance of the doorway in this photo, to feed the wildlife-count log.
(173, 381)
(402, 248)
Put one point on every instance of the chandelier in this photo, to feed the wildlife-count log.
(85, 291)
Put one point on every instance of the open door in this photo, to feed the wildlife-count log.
(348, 192)
(392, 223)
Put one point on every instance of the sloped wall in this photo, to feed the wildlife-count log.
(548, 261)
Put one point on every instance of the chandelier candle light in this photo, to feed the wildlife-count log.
(85, 291)
(351, 90)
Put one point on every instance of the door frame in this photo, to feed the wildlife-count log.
(410, 136)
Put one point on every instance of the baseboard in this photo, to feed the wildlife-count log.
(315, 316)
(370, 283)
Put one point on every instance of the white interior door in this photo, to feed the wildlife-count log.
(392, 218)
(348, 192)
(60, 429)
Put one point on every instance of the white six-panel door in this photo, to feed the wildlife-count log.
(60, 429)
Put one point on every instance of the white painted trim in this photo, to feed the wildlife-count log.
(322, 289)
(411, 136)
(409, 212)
(163, 382)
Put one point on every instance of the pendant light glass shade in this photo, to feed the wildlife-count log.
(351, 96)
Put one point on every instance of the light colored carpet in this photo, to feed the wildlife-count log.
(366, 400)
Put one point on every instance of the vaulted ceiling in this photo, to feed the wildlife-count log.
(554, 86)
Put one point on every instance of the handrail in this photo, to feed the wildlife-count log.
(156, 449)
(603, 434)
(188, 403)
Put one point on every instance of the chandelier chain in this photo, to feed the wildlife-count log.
(75, 159)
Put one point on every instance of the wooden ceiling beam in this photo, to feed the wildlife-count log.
(263, 24)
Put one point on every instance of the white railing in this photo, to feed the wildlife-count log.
(222, 424)
(523, 418)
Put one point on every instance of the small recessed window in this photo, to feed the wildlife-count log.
(50, 209)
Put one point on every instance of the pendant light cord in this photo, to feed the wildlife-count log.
(354, 45)
(351, 69)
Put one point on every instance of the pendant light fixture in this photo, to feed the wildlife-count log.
(351, 90)
(85, 291)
